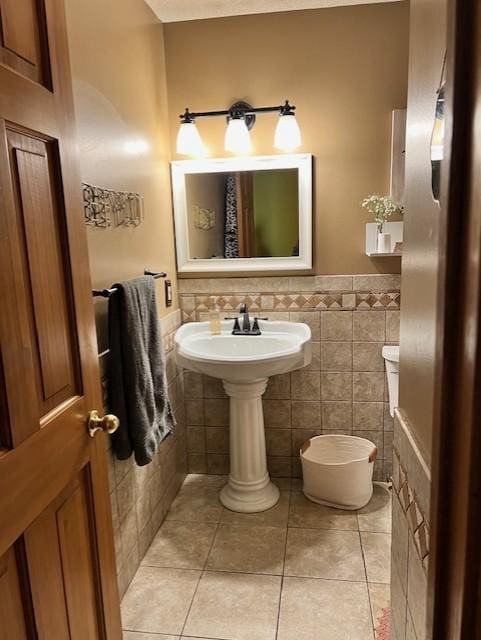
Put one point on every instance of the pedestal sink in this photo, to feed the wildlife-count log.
(244, 363)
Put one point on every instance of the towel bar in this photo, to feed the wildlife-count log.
(106, 293)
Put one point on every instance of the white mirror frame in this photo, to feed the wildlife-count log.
(300, 161)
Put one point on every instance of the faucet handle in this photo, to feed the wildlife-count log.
(236, 328)
(259, 318)
(255, 326)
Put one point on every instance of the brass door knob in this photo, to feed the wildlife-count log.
(108, 423)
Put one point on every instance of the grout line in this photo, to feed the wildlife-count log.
(154, 634)
(356, 530)
(271, 575)
(202, 573)
(283, 566)
(367, 585)
(160, 635)
(201, 637)
(331, 579)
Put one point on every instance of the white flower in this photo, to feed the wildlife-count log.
(382, 208)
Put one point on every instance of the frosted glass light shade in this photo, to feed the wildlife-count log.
(237, 136)
(189, 142)
(288, 135)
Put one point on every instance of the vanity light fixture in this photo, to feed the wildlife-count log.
(189, 142)
(240, 119)
(288, 135)
(237, 136)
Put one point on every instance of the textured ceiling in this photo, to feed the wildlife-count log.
(178, 10)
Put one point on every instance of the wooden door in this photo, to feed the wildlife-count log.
(454, 593)
(57, 567)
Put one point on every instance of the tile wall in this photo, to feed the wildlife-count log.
(141, 496)
(344, 388)
(410, 542)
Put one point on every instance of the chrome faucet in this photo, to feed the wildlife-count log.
(242, 324)
(244, 317)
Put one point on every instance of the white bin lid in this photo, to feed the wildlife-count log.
(338, 449)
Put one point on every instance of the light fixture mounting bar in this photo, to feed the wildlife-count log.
(238, 110)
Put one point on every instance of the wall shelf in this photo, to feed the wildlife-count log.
(396, 231)
(391, 254)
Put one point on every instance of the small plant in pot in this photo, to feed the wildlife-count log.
(382, 208)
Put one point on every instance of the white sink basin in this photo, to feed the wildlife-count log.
(282, 347)
(244, 363)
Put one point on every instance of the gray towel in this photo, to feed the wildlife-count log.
(138, 393)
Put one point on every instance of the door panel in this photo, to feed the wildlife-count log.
(23, 38)
(60, 545)
(75, 539)
(45, 567)
(57, 566)
(41, 230)
(4, 431)
(12, 617)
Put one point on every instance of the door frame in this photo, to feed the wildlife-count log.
(454, 580)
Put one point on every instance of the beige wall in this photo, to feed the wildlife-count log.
(117, 57)
(344, 68)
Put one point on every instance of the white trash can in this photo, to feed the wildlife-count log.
(337, 470)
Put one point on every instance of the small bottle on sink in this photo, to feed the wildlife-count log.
(214, 318)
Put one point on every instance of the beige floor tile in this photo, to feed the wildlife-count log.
(379, 597)
(284, 484)
(275, 517)
(376, 516)
(181, 545)
(203, 480)
(324, 553)
(236, 606)
(377, 555)
(324, 610)
(248, 549)
(158, 600)
(310, 515)
(196, 504)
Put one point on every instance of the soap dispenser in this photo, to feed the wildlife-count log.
(214, 318)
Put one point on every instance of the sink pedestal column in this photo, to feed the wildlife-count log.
(249, 488)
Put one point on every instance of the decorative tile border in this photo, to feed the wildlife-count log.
(383, 300)
(298, 302)
(410, 505)
(272, 301)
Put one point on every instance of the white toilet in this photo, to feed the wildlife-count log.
(390, 353)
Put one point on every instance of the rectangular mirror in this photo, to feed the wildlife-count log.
(243, 214)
